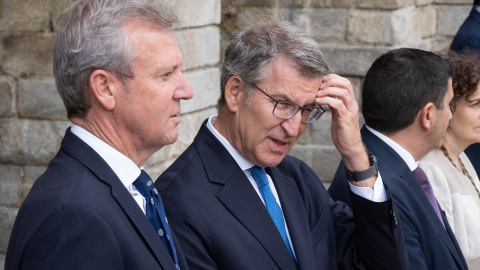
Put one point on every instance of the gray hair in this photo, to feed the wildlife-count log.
(91, 36)
(252, 49)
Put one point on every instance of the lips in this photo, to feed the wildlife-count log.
(279, 142)
(279, 146)
(176, 113)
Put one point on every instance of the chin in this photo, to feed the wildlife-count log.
(170, 138)
(272, 161)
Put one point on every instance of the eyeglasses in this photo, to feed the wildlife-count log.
(285, 110)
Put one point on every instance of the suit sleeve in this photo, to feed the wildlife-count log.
(74, 237)
(378, 235)
(416, 258)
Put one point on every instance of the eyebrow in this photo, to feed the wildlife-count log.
(283, 97)
(474, 100)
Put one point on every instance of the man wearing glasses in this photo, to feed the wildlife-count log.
(237, 201)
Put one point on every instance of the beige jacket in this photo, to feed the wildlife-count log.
(459, 199)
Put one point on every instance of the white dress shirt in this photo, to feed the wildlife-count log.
(125, 169)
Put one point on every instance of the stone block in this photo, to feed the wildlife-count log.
(300, 17)
(251, 3)
(424, 2)
(38, 98)
(7, 218)
(200, 46)
(7, 96)
(450, 18)
(302, 152)
(427, 20)
(206, 89)
(194, 13)
(385, 4)
(246, 16)
(370, 27)
(305, 137)
(334, 3)
(357, 89)
(31, 174)
(30, 142)
(320, 132)
(25, 15)
(441, 43)
(346, 3)
(293, 3)
(424, 44)
(327, 25)
(2, 261)
(383, 27)
(10, 185)
(27, 54)
(325, 160)
(466, 2)
(352, 60)
(56, 8)
(406, 28)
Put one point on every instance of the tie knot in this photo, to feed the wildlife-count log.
(144, 183)
(259, 175)
(420, 175)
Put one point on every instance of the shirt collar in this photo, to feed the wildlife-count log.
(404, 154)
(125, 169)
(242, 162)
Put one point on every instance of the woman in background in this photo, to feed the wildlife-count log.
(453, 178)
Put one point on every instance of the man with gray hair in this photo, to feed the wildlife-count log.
(117, 69)
(238, 201)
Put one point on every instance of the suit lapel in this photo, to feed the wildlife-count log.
(240, 198)
(295, 216)
(87, 156)
(388, 157)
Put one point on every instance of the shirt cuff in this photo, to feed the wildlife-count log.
(378, 194)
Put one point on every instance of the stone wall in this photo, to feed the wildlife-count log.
(32, 115)
(352, 32)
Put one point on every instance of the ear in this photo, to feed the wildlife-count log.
(234, 93)
(104, 85)
(427, 115)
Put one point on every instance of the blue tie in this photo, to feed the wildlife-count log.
(260, 177)
(156, 213)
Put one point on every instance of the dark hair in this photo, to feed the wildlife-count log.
(399, 83)
(476, 2)
(252, 49)
(466, 74)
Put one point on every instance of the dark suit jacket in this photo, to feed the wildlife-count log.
(79, 215)
(222, 223)
(428, 244)
(473, 153)
(468, 35)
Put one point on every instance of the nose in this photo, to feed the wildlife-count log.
(293, 125)
(184, 89)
